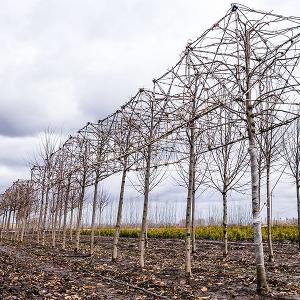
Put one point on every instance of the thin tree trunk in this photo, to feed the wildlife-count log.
(45, 216)
(194, 210)
(79, 217)
(119, 215)
(298, 210)
(71, 220)
(259, 182)
(23, 228)
(145, 208)
(94, 214)
(54, 227)
(3, 224)
(188, 265)
(8, 223)
(225, 223)
(15, 234)
(60, 216)
(269, 213)
(65, 214)
(41, 210)
(146, 236)
(262, 285)
(12, 225)
(99, 220)
(26, 213)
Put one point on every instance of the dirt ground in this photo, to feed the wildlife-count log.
(30, 271)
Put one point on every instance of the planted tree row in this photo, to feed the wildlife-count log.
(224, 115)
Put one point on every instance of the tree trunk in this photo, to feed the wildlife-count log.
(194, 210)
(298, 210)
(99, 220)
(146, 236)
(38, 231)
(45, 215)
(3, 224)
(269, 213)
(23, 228)
(8, 223)
(12, 224)
(225, 223)
(65, 214)
(188, 266)
(41, 210)
(17, 223)
(145, 208)
(79, 217)
(119, 215)
(71, 220)
(94, 214)
(259, 183)
(60, 216)
(262, 285)
(54, 227)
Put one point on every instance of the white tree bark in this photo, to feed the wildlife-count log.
(188, 267)
(262, 285)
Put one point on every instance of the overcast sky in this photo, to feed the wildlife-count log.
(66, 62)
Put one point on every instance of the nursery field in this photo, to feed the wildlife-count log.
(31, 271)
(280, 233)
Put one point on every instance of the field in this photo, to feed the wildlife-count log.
(280, 233)
(214, 138)
(30, 271)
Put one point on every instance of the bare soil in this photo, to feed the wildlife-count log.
(30, 271)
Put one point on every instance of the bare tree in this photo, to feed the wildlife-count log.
(49, 143)
(262, 285)
(122, 141)
(103, 199)
(226, 166)
(83, 151)
(199, 176)
(219, 74)
(291, 154)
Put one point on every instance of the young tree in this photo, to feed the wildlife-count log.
(122, 136)
(226, 165)
(269, 146)
(145, 125)
(262, 285)
(49, 143)
(199, 176)
(291, 154)
(100, 150)
(83, 177)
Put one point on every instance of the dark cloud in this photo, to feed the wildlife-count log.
(67, 62)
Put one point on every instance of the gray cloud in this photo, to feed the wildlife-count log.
(67, 62)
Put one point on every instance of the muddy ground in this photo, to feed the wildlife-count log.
(30, 271)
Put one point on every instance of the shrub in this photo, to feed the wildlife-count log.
(235, 233)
